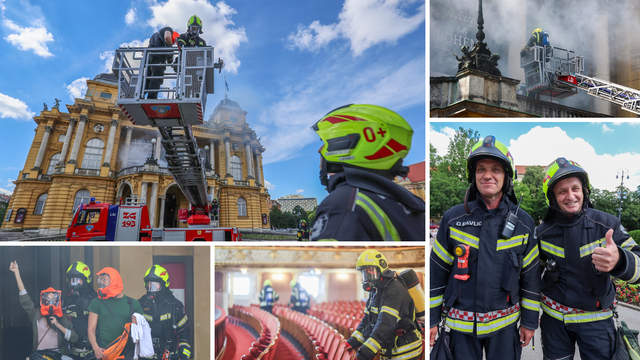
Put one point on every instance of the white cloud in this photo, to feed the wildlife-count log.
(10, 182)
(364, 23)
(605, 128)
(300, 191)
(216, 20)
(14, 108)
(29, 38)
(285, 125)
(602, 168)
(5, 191)
(131, 16)
(269, 185)
(440, 140)
(77, 88)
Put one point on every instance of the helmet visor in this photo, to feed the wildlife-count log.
(194, 30)
(50, 298)
(75, 282)
(154, 286)
(370, 273)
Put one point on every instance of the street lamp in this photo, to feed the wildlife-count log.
(206, 156)
(620, 175)
(151, 159)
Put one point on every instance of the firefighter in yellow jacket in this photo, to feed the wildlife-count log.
(389, 323)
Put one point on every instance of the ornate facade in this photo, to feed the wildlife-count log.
(93, 150)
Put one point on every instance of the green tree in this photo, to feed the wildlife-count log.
(445, 192)
(275, 217)
(533, 178)
(434, 158)
(455, 161)
(605, 200)
(3, 211)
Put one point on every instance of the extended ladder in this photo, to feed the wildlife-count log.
(180, 104)
(626, 97)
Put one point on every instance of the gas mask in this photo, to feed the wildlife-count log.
(370, 277)
(194, 31)
(76, 283)
(153, 289)
(51, 302)
(109, 283)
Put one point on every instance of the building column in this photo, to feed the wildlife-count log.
(67, 141)
(249, 157)
(212, 156)
(127, 144)
(78, 140)
(152, 205)
(258, 171)
(112, 138)
(227, 157)
(43, 147)
(161, 220)
(158, 147)
(143, 192)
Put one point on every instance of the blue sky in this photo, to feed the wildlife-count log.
(600, 147)
(287, 64)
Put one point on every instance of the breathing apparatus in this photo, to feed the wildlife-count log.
(415, 291)
(111, 288)
(51, 303)
(371, 263)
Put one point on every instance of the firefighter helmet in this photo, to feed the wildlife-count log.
(372, 264)
(293, 283)
(267, 282)
(562, 168)
(194, 26)
(492, 149)
(365, 136)
(156, 273)
(78, 270)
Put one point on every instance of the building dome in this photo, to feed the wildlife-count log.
(107, 78)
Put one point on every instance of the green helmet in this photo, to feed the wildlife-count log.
(293, 283)
(490, 148)
(562, 168)
(79, 270)
(267, 282)
(157, 273)
(366, 136)
(194, 21)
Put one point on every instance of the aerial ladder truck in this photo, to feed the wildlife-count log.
(180, 105)
(559, 73)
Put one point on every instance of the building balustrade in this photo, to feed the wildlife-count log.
(88, 172)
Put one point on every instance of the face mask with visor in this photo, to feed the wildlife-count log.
(153, 286)
(75, 283)
(50, 302)
(103, 281)
(370, 277)
(194, 31)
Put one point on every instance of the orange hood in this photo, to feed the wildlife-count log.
(55, 309)
(115, 286)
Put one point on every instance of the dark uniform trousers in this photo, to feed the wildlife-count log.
(577, 300)
(503, 283)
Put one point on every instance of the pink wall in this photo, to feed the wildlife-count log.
(280, 286)
(342, 289)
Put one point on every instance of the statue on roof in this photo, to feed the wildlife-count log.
(57, 105)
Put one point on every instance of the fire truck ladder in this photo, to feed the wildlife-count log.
(626, 97)
(178, 107)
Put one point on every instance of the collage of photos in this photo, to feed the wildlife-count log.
(199, 180)
(534, 204)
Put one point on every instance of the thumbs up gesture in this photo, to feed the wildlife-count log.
(606, 258)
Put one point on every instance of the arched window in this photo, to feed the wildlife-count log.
(52, 164)
(40, 204)
(236, 167)
(82, 197)
(242, 207)
(93, 154)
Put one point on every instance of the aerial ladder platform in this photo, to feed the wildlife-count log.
(180, 103)
(559, 73)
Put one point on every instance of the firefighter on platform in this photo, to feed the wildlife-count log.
(363, 150)
(191, 37)
(539, 38)
(165, 37)
(582, 248)
(76, 305)
(166, 316)
(299, 297)
(268, 296)
(485, 272)
(389, 324)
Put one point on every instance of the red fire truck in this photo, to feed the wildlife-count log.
(102, 221)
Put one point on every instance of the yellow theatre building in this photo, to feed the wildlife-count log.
(93, 150)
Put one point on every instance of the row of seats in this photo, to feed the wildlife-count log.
(320, 341)
(345, 316)
(265, 324)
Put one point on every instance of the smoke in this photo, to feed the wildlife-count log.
(140, 149)
(585, 26)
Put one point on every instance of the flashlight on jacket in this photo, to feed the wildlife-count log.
(551, 267)
(462, 253)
